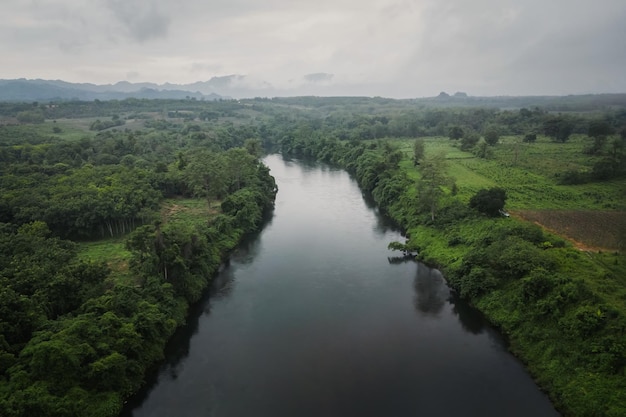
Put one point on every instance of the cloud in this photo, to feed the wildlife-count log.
(318, 77)
(398, 48)
(141, 18)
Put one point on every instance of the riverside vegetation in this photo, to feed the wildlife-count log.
(104, 247)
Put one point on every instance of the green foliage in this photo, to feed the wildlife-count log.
(418, 151)
(530, 138)
(79, 328)
(469, 140)
(482, 149)
(599, 128)
(559, 128)
(489, 201)
(433, 176)
(492, 135)
(96, 333)
(456, 132)
(30, 116)
(102, 125)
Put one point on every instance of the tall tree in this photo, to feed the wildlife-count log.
(433, 177)
(456, 132)
(418, 151)
(205, 175)
(491, 135)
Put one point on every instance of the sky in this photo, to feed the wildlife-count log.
(389, 48)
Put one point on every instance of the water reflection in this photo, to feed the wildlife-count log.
(470, 318)
(396, 260)
(431, 291)
(383, 223)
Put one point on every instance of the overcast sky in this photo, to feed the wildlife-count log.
(403, 48)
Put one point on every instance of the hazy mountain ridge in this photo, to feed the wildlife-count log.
(241, 86)
(50, 90)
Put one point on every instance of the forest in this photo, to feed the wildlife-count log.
(106, 239)
(115, 214)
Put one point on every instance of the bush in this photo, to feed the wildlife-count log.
(478, 282)
(489, 201)
(573, 178)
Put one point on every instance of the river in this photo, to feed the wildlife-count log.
(315, 317)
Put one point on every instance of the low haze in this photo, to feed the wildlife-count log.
(327, 47)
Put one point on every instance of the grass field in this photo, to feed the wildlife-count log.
(112, 251)
(591, 215)
(188, 210)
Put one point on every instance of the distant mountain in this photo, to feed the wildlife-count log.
(51, 90)
(311, 85)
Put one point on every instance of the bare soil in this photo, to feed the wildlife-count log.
(587, 230)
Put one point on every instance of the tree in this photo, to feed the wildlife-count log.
(482, 149)
(433, 177)
(470, 139)
(456, 132)
(530, 138)
(254, 147)
(491, 135)
(558, 128)
(489, 201)
(205, 175)
(599, 128)
(418, 151)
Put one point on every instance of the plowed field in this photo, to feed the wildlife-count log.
(588, 230)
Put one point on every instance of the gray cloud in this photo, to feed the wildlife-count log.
(399, 48)
(318, 77)
(142, 18)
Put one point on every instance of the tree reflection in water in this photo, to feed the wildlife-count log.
(431, 291)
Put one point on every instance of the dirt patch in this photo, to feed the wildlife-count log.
(587, 230)
(169, 211)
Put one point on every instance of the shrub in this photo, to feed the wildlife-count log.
(489, 201)
(573, 177)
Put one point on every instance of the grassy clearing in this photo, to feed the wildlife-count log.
(188, 210)
(69, 129)
(111, 251)
(529, 173)
(545, 157)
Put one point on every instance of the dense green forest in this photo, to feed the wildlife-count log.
(114, 214)
(96, 270)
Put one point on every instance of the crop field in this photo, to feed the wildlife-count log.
(587, 229)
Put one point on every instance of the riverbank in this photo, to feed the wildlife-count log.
(555, 305)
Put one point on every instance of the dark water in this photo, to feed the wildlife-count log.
(314, 317)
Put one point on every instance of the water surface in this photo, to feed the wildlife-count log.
(315, 317)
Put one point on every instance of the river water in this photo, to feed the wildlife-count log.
(315, 317)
